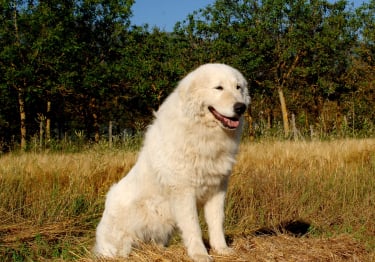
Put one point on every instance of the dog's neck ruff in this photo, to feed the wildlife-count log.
(227, 122)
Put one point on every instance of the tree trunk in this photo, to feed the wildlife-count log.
(93, 109)
(48, 122)
(21, 104)
(96, 128)
(284, 111)
(20, 91)
(269, 118)
(41, 119)
(284, 78)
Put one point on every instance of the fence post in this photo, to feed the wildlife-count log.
(110, 134)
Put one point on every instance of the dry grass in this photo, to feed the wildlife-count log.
(322, 192)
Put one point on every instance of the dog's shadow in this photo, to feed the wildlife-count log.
(296, 228)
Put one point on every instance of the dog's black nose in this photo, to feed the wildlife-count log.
(239, 108)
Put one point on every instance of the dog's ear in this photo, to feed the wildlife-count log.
(183, 88)
(189, 97)
(246, 95)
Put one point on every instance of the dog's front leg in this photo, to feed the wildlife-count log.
(214, 214)
(186, 215)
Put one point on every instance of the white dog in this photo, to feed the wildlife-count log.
(185, 162)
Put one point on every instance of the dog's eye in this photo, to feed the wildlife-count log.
(238, 87)
(219, 88)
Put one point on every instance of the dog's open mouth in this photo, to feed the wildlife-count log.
(227, 122)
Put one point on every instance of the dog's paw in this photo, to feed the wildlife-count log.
(201, 258)
(225, 251)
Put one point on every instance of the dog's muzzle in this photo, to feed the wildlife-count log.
(229, 122)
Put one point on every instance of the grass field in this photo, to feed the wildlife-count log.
(287, 201)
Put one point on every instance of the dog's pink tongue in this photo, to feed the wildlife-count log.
(231, 123)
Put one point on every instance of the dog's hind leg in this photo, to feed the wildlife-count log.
(126, 245)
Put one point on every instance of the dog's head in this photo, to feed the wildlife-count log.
(216, 94)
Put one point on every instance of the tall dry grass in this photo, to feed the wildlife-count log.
(50, 203)
(329, 184)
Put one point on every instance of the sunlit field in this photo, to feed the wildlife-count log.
(287, 201)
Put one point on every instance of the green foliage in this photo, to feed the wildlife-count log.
(302, 47)
(85, 59)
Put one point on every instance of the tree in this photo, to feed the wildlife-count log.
(361, 79)
(34, 35)
(100, 33)
(277, 43)
(61, 47)
(17, 72)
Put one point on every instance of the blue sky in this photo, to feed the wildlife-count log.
(165, 13)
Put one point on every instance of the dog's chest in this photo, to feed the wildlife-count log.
(208, 170)
(202, 194)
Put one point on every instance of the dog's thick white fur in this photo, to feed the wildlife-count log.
(185, 163)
